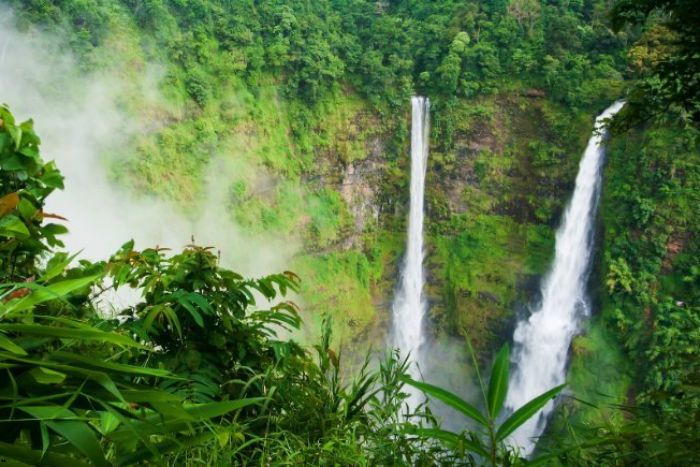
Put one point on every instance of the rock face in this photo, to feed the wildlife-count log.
(493, 187)
(492, 203)
(359, 190)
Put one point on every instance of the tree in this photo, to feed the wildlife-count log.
(671, 76)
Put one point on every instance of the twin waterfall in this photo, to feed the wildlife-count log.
(542, 341)
(409, 305)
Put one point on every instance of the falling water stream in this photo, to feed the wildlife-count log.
(409, 305)
(542, 341)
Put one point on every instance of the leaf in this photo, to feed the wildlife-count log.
(120, 367)
(12, 226)
(81, 437)
(498, 384)
(216, 409)
(26, 209)
(47, 376)
(201, 302)
(56, 265)
(68, 333)
(7, 344)
(50, 292)
(52, 177)
(33, 457)
(8, 203)
(452, 440)
(525, 412)
(184, 300)
(448, 398)
(49, 412)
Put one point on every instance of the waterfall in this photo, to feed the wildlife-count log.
(542, 341)
(409, 305)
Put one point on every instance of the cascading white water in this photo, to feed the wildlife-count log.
(409, 305)
(542, 341)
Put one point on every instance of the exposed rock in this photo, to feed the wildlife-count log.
(534, 93)
(489, 297)
(358, 189)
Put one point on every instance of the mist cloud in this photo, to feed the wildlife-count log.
(80, 120)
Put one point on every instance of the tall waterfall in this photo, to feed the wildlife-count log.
(409, 305)
(542, 341)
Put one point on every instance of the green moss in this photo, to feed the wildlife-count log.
(599, 380)
(336, 284)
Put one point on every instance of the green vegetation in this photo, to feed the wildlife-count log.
(306, 103)
(296, 94)
(193, 371)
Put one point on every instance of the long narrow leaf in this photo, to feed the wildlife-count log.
(452, 440)
(498, 384)
(81, 437)
(7, 344)
(448, 398)
(524, 413)
(94, 362)
(42, 330)
(34, 457)
(50, 292)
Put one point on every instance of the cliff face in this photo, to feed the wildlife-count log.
(328, 181)
(494, 196)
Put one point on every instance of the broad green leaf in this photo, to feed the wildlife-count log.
(452, 440)
(55, 229)
(7, 344)
(201, 302)
(498, 384)
(26, 209)
(56, 265)
(12, 226)
(52, 177)
(108, 422)
(184, 300)
(525, 412)
(154, 423)
(100, 377)
(450, 399)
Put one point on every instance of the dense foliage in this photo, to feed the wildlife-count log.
(192, 372)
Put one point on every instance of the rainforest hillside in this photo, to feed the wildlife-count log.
(309, 101)
(271, 136)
